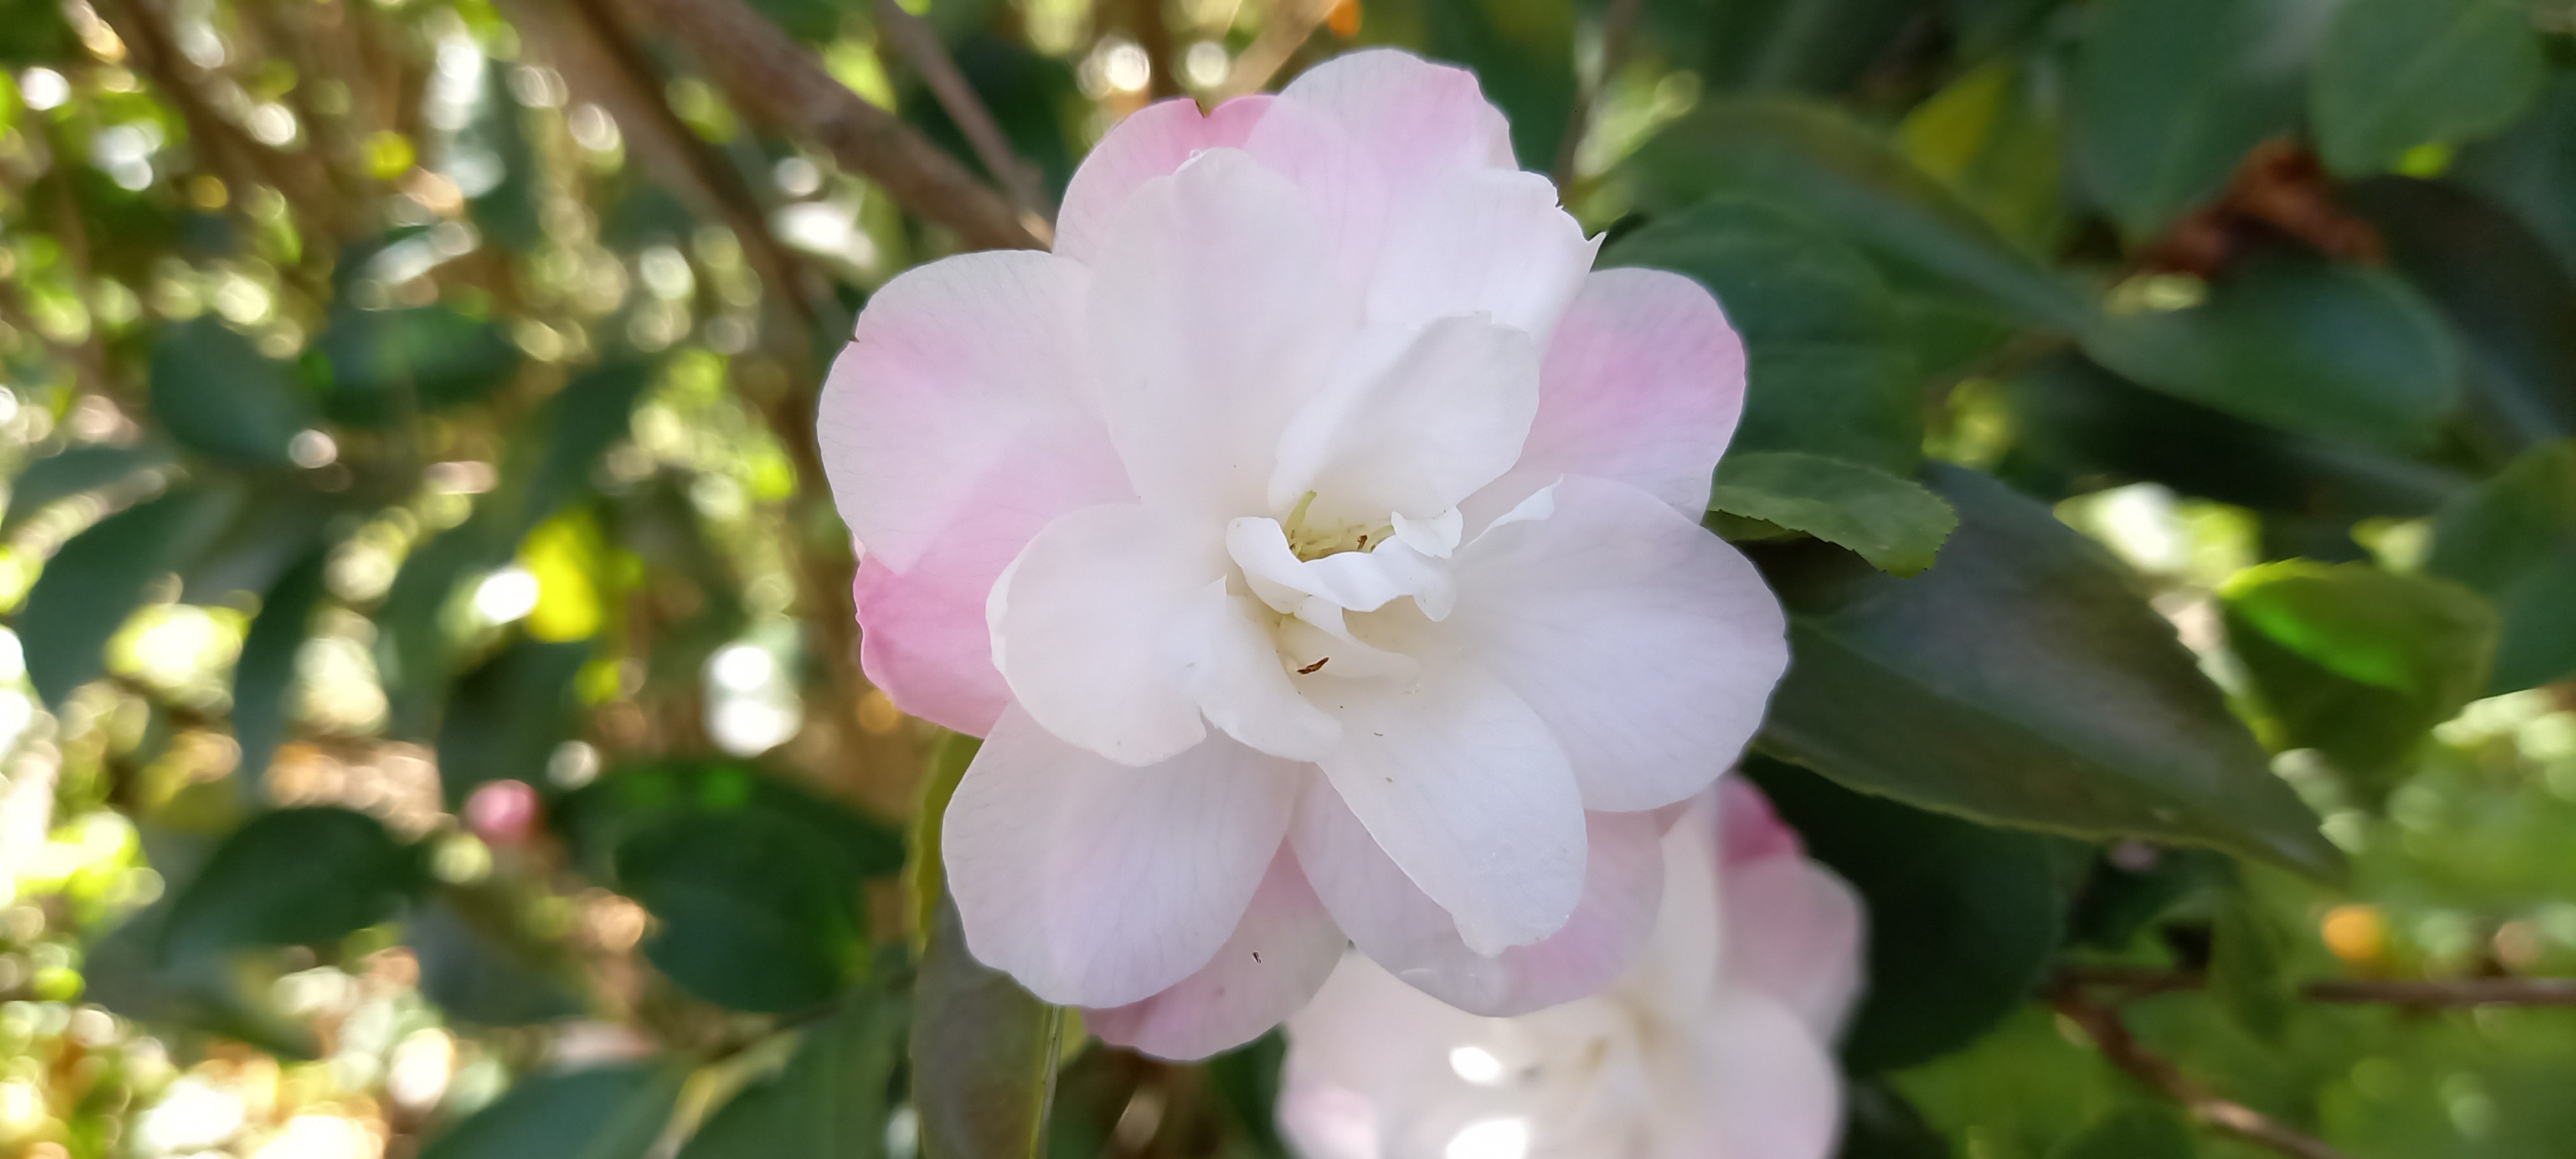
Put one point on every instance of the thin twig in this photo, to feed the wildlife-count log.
(776, 80)
(1291, 24)
(1618, 28)
(919, 45)
(2112, 1038)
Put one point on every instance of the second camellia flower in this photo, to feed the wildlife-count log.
(1314, 537)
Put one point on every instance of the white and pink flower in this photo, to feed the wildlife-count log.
(1717, 1044)
(1314, 538)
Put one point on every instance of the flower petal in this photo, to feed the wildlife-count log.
(1099, 884)
(1482, 241)
(1081, 623)
(1643, 383)
(1230, 665)
(1279, 956)
(1412, 421)
(1214, 323)
(923, 639)
(966, 384)
(1396, 925)
(1465, 789)
(1415, 121)
(1649, 646)
(1757, 1084)
(1152, 142)
(1793, 929)
(1368, 1058)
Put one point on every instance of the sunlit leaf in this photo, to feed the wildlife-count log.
(830, 1102)
(2395, 74)
(266, 671)
(100, 577)
(301, 876)
(1893, 523)
(2514, 540)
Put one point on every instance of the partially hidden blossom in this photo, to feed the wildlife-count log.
(1718, 1043)
(1314, 538)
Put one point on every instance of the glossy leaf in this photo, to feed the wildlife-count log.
(752, 911)
(100, 576)
(1893, 523)
(265, 674)
(614, 1112)
(387, 365)
(73, 470)
(505, 718)
(2167, 95)
(2356, 662)
(597, 818)
(217, 395)
(2514, 541)
(1822, 164)
(1826, 368)
(1963, 919)
(2395, 74)
(832, 1099)
(2024, 681)
(301, 876)
(2338, 351)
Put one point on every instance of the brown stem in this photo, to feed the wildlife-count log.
(2111, 1036)
(918, 42)
(1618, 28)
(1290, 25)
(773, 78)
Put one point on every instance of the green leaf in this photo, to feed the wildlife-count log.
(1246, 1082)
(2356, 662)
(385, 365)
(219, 396)
(1523, 54)
(831, 1100)
(2503, 293)
(1817, 161)
(1879, 1123)
(2301, 344)
(615, 1112)
(984, 1051)
(2167, 95)
(2024, 681)
(2082, 428)
(1817, 46)
(2126, 894)
(126, 972)
(2132, 1132)
(505, 718)
(2246, 978)
(99, 577)
(1990, 137)
(1826, 368)
(754, 913)
(596, 819)
(2530, 166)
(266, 671)
(1963, 919)
(2395, 74)
(2513, 540)
(474, 977)
(72, 470)
(291, 877)
(1893, 523)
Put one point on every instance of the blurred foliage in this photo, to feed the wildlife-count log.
(431, 727)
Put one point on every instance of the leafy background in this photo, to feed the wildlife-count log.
(430, 723)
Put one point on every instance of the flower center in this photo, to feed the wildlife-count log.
(1314, 541)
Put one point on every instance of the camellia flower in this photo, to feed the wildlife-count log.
(1717, 1044)
(1315, 541)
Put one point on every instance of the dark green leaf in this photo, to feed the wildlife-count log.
(1893, 523)
(1963, 919)
(2531, 165)
(1523, 54)
(492, 157)
(388, 364)
(2129, 890)
(2024, 681)
(72, 470)
(474, 977)
(754, 913)
(1815, 160)
(2514, 541)
(830, 1102)
(984, 1051)
(2304, 345)
(98, 578)
(1246, 1082)
(2395, 74)
(597, 818)
(2131, 1132)
(505, 718)
(2169, 94)
(1815, 46)
(1826, 370)
(126, 972)
(219, 396)
(1992, 137)
(613, 1112)
(2512, 304)
(2245, 972)
(303, 876)
(266, 670)
(1878, 1123)
(2082, 428)
(2356, 662)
